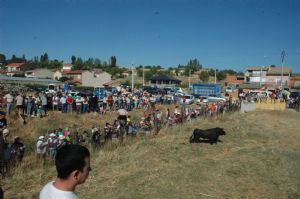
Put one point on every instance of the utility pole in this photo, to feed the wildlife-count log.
(132, 78)
(282, 59)
(143, 76)
(189, 79)
(216, 75)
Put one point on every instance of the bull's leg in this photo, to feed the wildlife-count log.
(192, 140)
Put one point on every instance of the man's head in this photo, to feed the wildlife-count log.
(73, 161)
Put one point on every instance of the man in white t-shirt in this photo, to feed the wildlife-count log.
(19, 103)
(9, 99)
(73, 166)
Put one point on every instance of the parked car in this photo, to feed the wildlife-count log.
(229, 89)
(215, 99)
(189, 99)
(153, 90)
(295, 94)
(201, 100)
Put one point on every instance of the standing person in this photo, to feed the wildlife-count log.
(72, 164)
(41, 147)
(9, 99)
(63, 102)
(52, 145)
(85, 105)
(55, 101)
(19, 103)
(79, 101)
(29, 106)
(44, 102)
(70, 101)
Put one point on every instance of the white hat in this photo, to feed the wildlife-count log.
(61, 137)
(41, 137)
(52, 134)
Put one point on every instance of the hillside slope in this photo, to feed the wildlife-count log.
(258, 158)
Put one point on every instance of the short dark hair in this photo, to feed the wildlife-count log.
(1, 193)
(69, 158)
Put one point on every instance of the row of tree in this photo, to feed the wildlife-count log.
(192, 66)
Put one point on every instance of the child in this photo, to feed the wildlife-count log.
(40, 111)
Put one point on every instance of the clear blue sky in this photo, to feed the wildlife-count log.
(223, 34)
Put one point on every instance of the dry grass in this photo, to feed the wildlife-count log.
(258, 158)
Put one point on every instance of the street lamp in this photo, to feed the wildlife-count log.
(282, 59)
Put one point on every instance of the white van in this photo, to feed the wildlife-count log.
(52, 88)
(260, 93)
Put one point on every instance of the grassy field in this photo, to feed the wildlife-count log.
(258, 158)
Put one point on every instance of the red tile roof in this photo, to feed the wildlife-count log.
(16, 65)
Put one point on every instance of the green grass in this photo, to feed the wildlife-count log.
(258, 158)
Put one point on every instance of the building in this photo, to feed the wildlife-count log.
(164, 80)
(24, 80)
(85, 77)
(234, 80)
(39, 73)
(268, 76)
(16, 68)
(66, 67)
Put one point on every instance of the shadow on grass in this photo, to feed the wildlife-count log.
(206, 141)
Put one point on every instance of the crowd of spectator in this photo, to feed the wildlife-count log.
(153, 119)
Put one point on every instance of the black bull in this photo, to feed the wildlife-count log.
(209, 135)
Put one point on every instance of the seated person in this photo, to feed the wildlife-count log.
(3, 126)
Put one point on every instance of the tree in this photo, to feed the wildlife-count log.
(192, 66)
(230, 72)
(221, 75)
(240, 74)
(46, 58)
(73, 59)
(2, 58)
(113, 60)
(148, 75)
(139, 72)
(13, 58)
(55, 64)
(170, 71)
(104, 64)
(78, 64)
(204, 76)
(97, 63)
(211, 72)
(177, 71)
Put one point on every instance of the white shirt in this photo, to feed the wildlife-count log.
(49, 191)
(19, 100)
(41, 147)
(63, 100)
(9, 98)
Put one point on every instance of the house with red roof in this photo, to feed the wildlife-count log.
(15, 68)
(234, 80)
